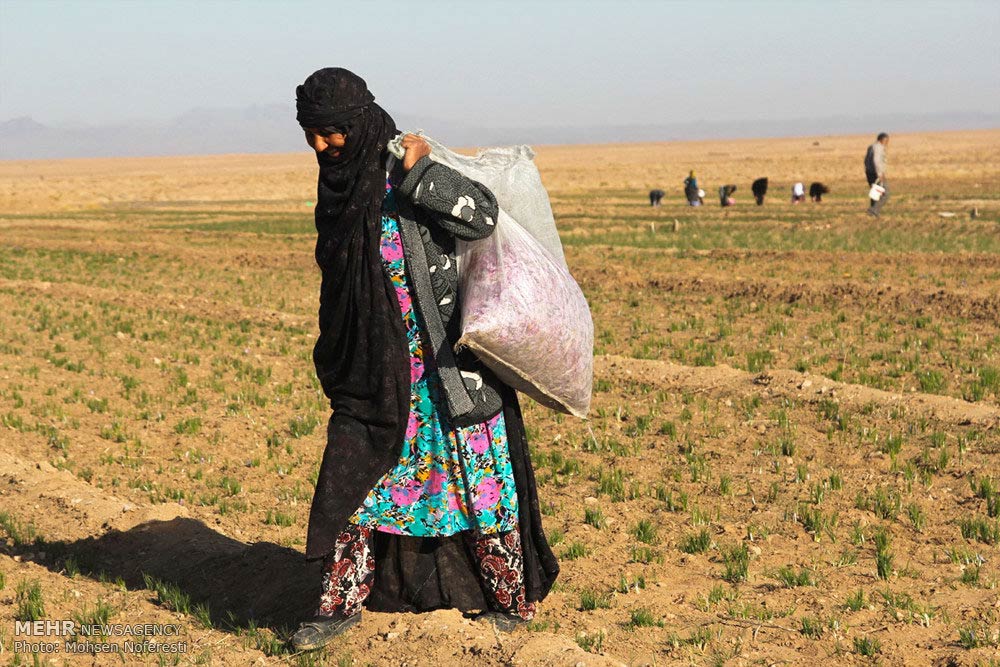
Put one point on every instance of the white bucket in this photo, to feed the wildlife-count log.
(876, 192)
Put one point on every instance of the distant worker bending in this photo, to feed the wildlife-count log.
(798, 193)
(817, 190)
(875, 161)
(759, 189)
(726, 195)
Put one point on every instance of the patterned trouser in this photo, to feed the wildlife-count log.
(349, 570)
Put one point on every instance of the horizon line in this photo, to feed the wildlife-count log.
(533, 145)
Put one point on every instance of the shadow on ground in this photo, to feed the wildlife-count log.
(269, 585)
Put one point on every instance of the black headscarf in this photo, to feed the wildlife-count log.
(361, 356)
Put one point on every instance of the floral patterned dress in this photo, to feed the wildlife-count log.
(448, 479)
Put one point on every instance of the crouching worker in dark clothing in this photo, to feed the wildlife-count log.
(759, 189)
(726, 195)
(655, 197)
(817, 190)
(426, 496)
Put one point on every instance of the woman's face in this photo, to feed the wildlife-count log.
(322, 141)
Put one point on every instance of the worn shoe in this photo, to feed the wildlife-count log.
(501, 621)
(872, 213)
(318, 632)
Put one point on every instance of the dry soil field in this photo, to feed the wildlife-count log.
(793, 455)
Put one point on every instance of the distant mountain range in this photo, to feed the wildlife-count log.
(272, 129)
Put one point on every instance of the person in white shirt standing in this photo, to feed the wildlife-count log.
(875, 161)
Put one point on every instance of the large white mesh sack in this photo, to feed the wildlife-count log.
(526, 318)
(522, 313)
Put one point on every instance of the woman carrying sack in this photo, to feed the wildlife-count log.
(426, 497)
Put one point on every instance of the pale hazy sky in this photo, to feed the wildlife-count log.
(504, 63)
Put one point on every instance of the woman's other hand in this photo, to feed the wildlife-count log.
(416, 148)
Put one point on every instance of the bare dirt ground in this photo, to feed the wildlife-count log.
(792, 456)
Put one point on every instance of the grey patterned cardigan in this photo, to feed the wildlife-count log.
(437, 206)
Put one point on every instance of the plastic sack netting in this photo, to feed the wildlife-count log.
(523, 314)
